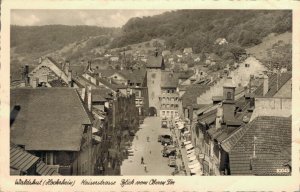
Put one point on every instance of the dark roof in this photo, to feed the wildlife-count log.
(169, 79)
(49, 119)
(191, 94)
(273, 139)
(57, 83)
(82, 82)
(221, 133)
(186, 74)
(134, 76)
(106, 72)
(107, 84)
(155, 62)
(100, 94)
(46, 170)
(20, 159)
(282, 79)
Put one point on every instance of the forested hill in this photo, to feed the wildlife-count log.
(39, 39)
(200, 28)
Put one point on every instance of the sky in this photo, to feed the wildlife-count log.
(103, 18)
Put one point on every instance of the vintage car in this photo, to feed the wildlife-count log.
(166, 139)
(169, 151)
(172, 161)
(164, 123)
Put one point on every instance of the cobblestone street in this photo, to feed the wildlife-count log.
(150, 151)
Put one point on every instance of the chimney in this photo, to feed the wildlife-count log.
(83, 93)
(156, 52)
(219, 117)
(229, 90)
(67, 67)
(250, 83)
(26, 73)
(40, 60)
(265, 85)
(70, 81)
(89, 97)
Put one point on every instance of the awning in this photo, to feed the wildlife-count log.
(196, 170)
(190, 151)
(189, 146)
(186, 132)
(190, 155)
(194, 164)
(187, 142)
(180, 126)
(192, 158)
(94, 130)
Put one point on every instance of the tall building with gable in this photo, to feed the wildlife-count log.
(155, 65)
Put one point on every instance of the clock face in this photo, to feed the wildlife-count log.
(153, 75)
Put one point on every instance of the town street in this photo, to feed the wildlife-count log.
(150, 151)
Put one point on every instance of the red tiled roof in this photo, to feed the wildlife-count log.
(273, 137)
(49, 119)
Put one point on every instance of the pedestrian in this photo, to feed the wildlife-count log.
(148, 138)
(142, 160)
(145, 168)
(150, 151)
(137, 137)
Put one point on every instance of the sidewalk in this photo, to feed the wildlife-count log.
(182, 160)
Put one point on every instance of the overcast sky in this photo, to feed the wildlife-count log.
(104, 18)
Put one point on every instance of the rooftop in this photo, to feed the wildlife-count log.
(48, 119)
(155, 62)
(272, 140)
(191, 94)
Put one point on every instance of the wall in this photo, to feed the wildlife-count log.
(240, 76)
(48, 64)
(285, 90)
(272, 107)
(154, 90)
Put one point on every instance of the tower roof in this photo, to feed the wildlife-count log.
(155, 62)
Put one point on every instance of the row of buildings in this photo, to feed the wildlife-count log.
(225, 116)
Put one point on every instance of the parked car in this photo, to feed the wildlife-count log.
(166, 139)
(168, 153)
(172, 161)
(164, 123)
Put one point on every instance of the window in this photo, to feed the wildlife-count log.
(47, 157)
(229, 95)
(172, 105)
(163, 113)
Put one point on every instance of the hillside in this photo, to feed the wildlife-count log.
(200, 28)
(274, 51)
(44, 39)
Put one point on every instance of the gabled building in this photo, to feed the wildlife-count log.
(24, 163)
(155, 65)
(219, 122)
(49, 73)
(54, 125)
